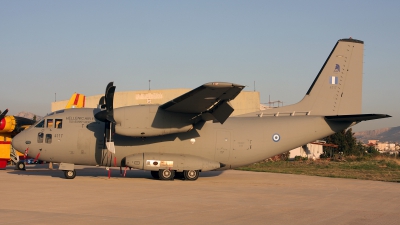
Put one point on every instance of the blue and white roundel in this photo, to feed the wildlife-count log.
(276, 137)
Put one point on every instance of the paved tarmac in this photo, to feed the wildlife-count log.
(42, 196)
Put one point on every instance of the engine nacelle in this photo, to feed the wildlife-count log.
(7, 124)
(178, 162)
(149, 120)
(14, 124)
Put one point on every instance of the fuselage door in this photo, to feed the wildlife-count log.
(83, 145)
(223, 146)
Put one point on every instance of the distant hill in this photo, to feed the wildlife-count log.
(389, 134)
(29, 115)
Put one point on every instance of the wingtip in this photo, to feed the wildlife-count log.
(222, 85)
(384, 115)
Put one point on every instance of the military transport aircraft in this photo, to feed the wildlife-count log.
(192, 133)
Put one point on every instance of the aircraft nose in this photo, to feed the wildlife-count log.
(18, 142)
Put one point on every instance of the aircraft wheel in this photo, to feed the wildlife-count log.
(20, 165)
(166, 174)
(191, 174)
(69, 174)
(154, 174)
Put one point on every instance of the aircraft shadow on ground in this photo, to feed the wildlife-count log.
(42, 170)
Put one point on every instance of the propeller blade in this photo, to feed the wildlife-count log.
(102, 116)
(107, 102)
(2, 115)
(108, 86)
(107, 116)
(109, 97)
(110, 147)
(102, 102)
(106, 97)
(110, 103)
(109, 140)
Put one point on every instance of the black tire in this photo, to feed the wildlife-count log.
(166, 174)
(154, 174)
(20, 165)
(191, 174)
(69, 174)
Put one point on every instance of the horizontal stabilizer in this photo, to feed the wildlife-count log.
(356, 117)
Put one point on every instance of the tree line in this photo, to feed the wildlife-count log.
(347, 145)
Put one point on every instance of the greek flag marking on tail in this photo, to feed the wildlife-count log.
(333, 80)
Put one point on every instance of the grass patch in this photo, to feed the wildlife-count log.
(379, 169)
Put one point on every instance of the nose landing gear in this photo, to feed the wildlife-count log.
(20, 165)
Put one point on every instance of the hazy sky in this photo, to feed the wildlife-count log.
(49, 47)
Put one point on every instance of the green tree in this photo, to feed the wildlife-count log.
(351, 143)
(347, 143)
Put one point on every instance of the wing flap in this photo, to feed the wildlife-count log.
(219, 113)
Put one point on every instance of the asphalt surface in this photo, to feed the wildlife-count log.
(42, 196)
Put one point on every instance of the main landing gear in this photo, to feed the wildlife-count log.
(165, 174)
(191, 174)
(162, 174)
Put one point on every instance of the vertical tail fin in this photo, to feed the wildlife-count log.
(76, 101)
(337, 89)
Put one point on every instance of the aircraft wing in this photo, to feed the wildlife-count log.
(356, 117)
(210, 101)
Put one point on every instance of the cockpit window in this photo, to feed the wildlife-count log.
(49, 123)
(58, 123)
(40, 124)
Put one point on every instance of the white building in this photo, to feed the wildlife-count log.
(383, 146)
(310, 150)
(245, 102)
